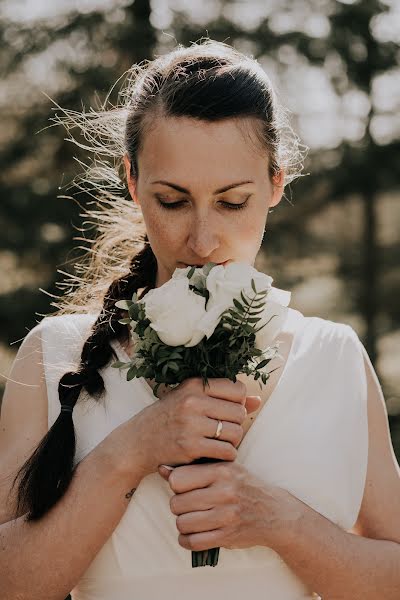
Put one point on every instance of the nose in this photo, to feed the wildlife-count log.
(203, 239)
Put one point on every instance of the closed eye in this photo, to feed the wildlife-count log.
(227, 205)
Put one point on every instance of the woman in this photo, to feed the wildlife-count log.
(308, 465)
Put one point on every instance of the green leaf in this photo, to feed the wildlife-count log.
(124, 321)
(133, 312)
(191, 272)
(124, 304)
(119, 364)
(257, 375)
(253, 286)
(246, 302)
(173, 366)
(175, 356)
(131, 373)
(263, 363)
(257, 306)
(164, 370)
(257, 352)
(256, 312)
(238, 305)
(253, 319)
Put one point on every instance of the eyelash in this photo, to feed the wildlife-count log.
(175, 205)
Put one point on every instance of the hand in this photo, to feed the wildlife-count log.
(180, 427)
(224, 505)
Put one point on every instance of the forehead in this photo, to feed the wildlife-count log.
(184, 150)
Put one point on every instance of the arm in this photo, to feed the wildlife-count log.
(337, 563)
(46, 558)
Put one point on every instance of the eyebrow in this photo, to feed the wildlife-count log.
(225, 188)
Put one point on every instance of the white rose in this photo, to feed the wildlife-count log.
(198, 278)
(226, 282)
(174, 311)
(206, 325)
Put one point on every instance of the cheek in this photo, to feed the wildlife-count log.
(251, 228)
(163, 230)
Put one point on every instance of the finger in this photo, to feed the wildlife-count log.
(192, 477)
(223, 409)
(215, 448)
(221, 387)
(196, 500)
(252, 403)
(165, 471)
(230, 432)
(230, 411)
(201, 541)
(201, 520)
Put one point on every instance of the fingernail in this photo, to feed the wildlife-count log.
(168, 467)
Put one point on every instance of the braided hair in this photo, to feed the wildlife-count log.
(42, 481)
(209, 81)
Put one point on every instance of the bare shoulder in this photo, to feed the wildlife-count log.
(379, 515)
(23, 417)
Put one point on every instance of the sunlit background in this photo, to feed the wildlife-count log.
(335, 241)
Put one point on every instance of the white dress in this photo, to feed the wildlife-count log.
(310, 437)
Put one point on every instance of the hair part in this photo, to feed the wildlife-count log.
(208, 81)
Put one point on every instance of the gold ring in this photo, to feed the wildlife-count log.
(219, 429)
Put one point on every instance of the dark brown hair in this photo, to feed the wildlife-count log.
(208, 81)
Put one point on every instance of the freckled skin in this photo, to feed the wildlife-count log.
(202, 157)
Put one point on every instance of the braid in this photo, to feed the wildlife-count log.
(46, 475)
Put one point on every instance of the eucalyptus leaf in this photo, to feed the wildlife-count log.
(124, 304)
(263, 363)
(131, 373)
(164, 369)
(124, 321)
(119, 364)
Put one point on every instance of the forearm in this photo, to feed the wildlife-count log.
(340, 565)
(46, 558)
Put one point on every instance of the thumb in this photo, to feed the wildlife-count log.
(165, 471)
(252, 403)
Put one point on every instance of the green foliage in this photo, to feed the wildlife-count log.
(230, 350)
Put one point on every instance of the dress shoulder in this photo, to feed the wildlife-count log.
(63, 337)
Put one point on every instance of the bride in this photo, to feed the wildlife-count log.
(306, 499)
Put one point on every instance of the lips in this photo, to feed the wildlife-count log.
(200, 266)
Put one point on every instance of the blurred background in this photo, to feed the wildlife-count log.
(335, 241)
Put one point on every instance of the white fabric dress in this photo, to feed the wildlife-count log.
(310, 437)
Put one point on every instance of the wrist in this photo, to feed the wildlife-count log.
(284, 522)
(126, 451)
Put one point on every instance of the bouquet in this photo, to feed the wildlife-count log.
(205, 322)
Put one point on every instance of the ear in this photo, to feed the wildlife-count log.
(277, 188)
(130, 180)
